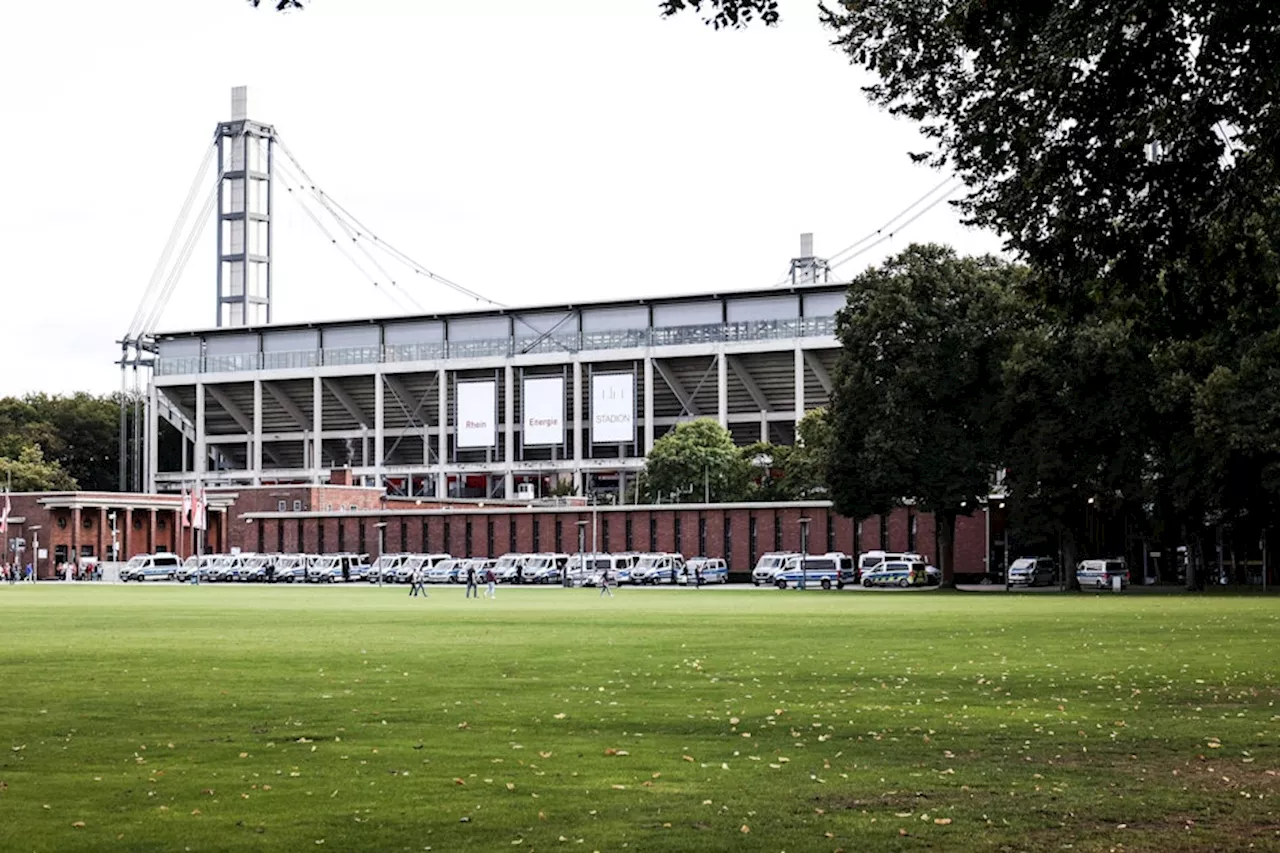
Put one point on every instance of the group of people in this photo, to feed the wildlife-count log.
(15, 572)
(418, 583)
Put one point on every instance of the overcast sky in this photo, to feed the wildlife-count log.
(535, 152)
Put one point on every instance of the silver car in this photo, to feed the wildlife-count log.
(1032, 571)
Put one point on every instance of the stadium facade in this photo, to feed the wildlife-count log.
(491, 403)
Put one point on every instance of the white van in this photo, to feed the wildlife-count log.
(1100, 573)
(869, 561)
(151, 567)
(617, 565)
(769, 565)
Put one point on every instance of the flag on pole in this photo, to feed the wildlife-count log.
(198, 508)
(4, 517)
(186, 506)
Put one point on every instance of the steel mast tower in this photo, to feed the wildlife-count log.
(245, 149)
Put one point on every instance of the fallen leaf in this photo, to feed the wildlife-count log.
(559, 716)
(458, 781)
(511, 786)
(545, 754)
(78, 824)
(745, 829)
(687, 757)
(942, 821)
(619, 787)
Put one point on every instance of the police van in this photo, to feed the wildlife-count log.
(824, 570)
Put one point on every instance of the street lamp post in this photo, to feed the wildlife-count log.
(382, 534)
(804, 551)
(582, 557)
(35, 551)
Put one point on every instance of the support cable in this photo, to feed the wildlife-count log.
(867, 248)
(178, 225)
(193, 236)
(301, 201)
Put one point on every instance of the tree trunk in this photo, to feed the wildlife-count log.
(1069, 555)
(946, 547)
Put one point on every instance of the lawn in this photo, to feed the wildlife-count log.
(287, 718)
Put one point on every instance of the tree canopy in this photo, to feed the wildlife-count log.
(695, 461)
(924, 339)
(77, 435)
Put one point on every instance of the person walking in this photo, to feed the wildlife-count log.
(492, 580)
(472, 588)
(605, 580)
(417, 582)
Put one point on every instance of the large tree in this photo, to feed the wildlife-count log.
(924, 339)
(695, 461)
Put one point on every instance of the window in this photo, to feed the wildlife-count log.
(488, 535)
(279, 536)
(320, 546)
(364, 547)
(559, 535)
(653, 533)
(753, 550)
(911, 533)
(537, 536)
(262, 545)
(354, 508)
(301, 544)
(630, 546)
(447, 544)
(702, 534)
(297, 506)
(831, 531)
(282, 506)
(511, 534)
(328, 507)
(678, 547)
(777, 532)
(467, 544)
(857, 538)
(604, 535)
(342, 536)
(404, 536)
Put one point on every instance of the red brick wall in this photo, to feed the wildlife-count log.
(501, 534)
(898, 530)
(971, 537)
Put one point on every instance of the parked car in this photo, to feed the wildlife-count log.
(404, 573)
(901, 573)
(337, 568)
(228, 568)
(261, 568)
(384, 568)
(870, 560)
(618, 565)
(706, 569)
(1099, 573)
(292, 568)
(825, 570)
(192, 566)
(510, 568)
(768, 565)
(151, 567)
(545, 568)
(448, 571)
(657, 568)
(1032, 571)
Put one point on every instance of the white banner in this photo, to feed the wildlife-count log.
(543, 403)
(475, 414)
(613, 408)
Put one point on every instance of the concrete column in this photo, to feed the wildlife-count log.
(799, 385)
(151, 531)
(764, 426)
(722, 389)
(317, 428)
(153, 438)
(509, 432)
(442, 387)
(75, 534)
(576, 427)
(103, 536)
(201, 460)
(648, 405)
(256, 462)
(380, 424)
(124, 524)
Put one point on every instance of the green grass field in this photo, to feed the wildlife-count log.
(286, 718)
